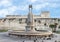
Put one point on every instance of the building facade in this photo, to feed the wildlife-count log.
(19, 22)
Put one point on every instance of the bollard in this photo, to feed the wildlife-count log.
(23, 41)
(34, 40)
(42, 41)
(55, 41)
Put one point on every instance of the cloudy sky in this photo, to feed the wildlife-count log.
(20, 7)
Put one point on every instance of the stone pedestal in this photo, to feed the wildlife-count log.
(29, 28)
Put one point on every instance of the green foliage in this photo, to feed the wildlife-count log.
(57, 32)
(3, 30)
(52, 26)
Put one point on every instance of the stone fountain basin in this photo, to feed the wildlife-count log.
(15, 32)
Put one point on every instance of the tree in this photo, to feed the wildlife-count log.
(55, 27)
(52, 26)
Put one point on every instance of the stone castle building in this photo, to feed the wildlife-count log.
(19, 22)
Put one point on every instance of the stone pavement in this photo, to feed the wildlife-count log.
(5, 38)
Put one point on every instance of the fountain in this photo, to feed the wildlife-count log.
(29, 29)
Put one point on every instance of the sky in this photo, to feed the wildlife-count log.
(20, 7)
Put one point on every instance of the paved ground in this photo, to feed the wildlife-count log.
(5, 38)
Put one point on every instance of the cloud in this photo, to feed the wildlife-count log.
(22, 7)
(40, 6)
(8, 11)
(43, 1)
(45, 5)
(32, 1)
(5, 3)
(3, 12)
(54, 5)
(10, 7)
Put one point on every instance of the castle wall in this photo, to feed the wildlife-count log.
(21, 24)
(20, 21)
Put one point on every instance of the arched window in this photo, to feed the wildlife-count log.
(20, 20)
(35, 20)
(39, 21)
(45, 24)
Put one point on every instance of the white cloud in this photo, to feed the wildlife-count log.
(3, 12)
(45, 5)
(54, 5)
(5, 3)
(40, 6)
(32, 1)
(43, 1)
(25, 7)
(8, 11)
(37, 5)
(12, 9)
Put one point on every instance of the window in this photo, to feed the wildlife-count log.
(20, 21)
(26, 21)
(4, 20)
(45, 24)
(59, 27)
(35, 20)
(39, 21)
(11, 20)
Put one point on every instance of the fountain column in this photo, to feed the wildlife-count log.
(30, 21)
